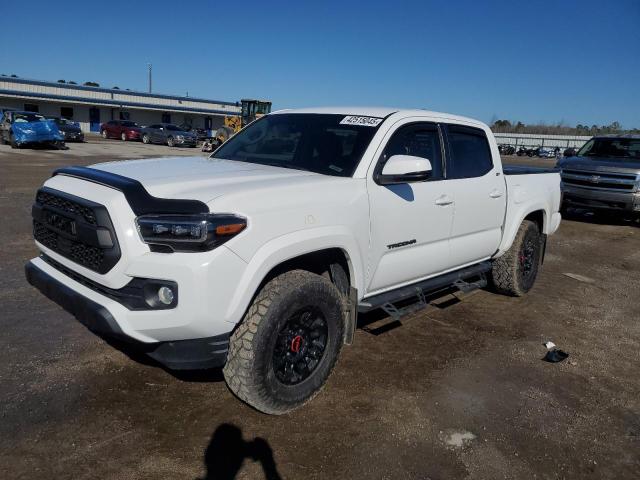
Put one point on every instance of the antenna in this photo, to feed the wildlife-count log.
(150, 69)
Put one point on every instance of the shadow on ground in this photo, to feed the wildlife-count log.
(228, 450)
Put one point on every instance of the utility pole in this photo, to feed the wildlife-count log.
(150, 67)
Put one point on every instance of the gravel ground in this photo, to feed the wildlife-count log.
(457, 391)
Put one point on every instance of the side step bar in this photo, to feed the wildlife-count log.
(420, 290)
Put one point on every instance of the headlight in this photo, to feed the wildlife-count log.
(189, 233)
(180, 137)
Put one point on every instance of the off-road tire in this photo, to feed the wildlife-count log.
(249, 371)
(508, 275)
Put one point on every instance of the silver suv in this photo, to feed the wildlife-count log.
(604, 175)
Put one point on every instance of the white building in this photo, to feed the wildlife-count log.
(91, 106)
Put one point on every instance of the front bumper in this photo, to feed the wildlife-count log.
(73, 137)
(192, 142)
(600, 199)
(98, 313)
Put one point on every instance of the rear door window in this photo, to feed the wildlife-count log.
(469, 154)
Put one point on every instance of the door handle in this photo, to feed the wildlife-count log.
(444, 200)
(495, 194)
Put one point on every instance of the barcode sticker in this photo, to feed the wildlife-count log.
(362, 121)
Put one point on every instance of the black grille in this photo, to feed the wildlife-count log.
(75, 228)
(45, 236)
(599, 180)
(46, 199)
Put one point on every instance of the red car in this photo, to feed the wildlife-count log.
(122, 129)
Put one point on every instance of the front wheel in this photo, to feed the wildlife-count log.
(123, 137)
(515, 272)
(145, 139)
(284, 350)
(12, 141)
(170, 142)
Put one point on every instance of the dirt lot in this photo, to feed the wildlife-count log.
(458, 391)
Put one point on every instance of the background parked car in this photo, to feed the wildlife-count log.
(29, 128)
(122, 129)
(506, 149)
(545, 153)
(200, 133)
(70, 130)
(529, 152)
(169, 134)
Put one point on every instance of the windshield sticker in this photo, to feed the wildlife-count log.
(362, 121)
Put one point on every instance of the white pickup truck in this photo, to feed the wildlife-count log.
(259, 257)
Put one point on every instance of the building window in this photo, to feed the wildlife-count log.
(66, 112)
(125, 116)
(31, 107)
(166, 117)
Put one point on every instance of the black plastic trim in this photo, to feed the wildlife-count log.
(193, 354)
(431, 284)
(92, 315)
(132, 296)
(141, 201)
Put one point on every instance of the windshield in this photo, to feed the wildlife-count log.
(28, 117)
(612, 147)
(61, 121)
(320, 143)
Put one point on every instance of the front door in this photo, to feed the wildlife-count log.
(479, 191)
(410, 223)
(94, 119)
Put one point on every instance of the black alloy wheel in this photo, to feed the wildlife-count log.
(300, 346)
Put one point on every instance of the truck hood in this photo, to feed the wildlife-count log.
(601, 164)
(201, 178)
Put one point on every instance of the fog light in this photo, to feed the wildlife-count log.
(165, 295)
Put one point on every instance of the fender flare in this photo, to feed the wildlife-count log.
(511, 227)
(286, 247)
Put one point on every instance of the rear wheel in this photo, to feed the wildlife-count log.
(515, 272)
(283, 351)
(104, 134)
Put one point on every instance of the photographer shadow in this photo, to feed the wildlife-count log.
(227, 452)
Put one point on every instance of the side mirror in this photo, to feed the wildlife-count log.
(404, 169)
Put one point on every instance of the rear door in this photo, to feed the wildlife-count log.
(410, 223)
(478, 187)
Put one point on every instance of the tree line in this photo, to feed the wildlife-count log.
(506, 126)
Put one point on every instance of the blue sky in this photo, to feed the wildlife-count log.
(549, 61)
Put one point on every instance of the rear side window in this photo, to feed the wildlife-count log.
(419, 140)
(469, 152)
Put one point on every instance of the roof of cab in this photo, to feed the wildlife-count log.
(380, 112)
